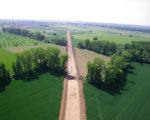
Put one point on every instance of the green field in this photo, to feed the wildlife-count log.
(38, 99)
(9, 40)
(133, 103)
(23, 48)
(7, 58)
(111, 35)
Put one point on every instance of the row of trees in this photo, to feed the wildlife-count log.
(35, 35)
(23, 32)
(102, 47)
(140, 51)
(32, 62)
(110, 74)
(58, 41)
(37, 59)
(4, 76)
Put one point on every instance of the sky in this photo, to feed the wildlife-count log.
(108, 11)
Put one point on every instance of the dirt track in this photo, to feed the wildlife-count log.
(72, 104)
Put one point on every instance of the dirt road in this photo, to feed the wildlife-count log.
(72, 103)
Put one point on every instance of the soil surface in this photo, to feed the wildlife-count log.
(72, 104)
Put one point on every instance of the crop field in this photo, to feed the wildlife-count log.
(9, 40)
(7, 58)
(84, 56)
(132, 103)
(112, 35)
(38, 99)
(23, 48)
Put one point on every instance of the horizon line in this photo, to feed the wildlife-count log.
(71, 21)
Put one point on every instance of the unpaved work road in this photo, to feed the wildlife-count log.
(71, 106)
(72, 103)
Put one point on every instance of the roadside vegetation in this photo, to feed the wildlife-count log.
(30, 63)
(110, 75)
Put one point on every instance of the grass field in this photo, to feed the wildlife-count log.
(112, 35)
(9, 40)
(38, 99)
(133, 103)
(7, 58)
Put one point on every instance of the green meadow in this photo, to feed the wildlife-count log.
(38, 99)
(117, 36)
(132, 103)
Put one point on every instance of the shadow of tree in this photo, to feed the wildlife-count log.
(34, 75)
(3, 85)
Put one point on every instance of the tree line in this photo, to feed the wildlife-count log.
(109, 74)
(57, 40)
(35, 35)
(112, 75)
(102, 47)
(4, 76)
(38, 59)
(23, 32)
(32, 62)
(140, 51)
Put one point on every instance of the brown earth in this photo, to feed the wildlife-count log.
(74, 106)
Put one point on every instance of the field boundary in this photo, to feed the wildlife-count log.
(64, 95)
(63, 100)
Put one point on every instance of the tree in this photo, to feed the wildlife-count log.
(95, 71)
(80, 45)
(87, 44)
(112, 74)
(52, 58)
(95, 38)
(62, 61)
(36, 59)
(4, 76)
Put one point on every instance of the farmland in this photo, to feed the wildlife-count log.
(111, 35)
(131, 103)
(33, 100)
(7, 58)
(84, 56)
(9, 40)
(39, 98)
